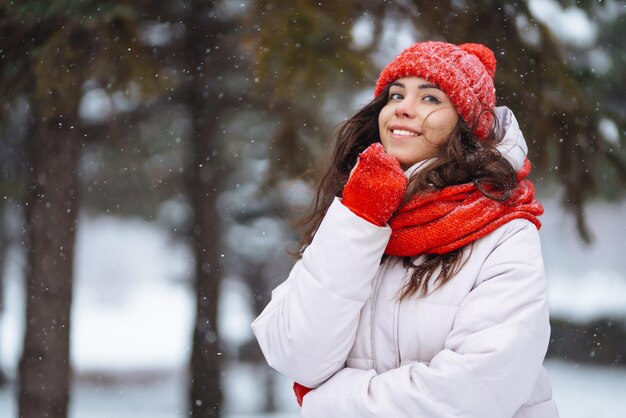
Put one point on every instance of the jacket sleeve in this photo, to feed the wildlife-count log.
(309, 327)
(491, 358)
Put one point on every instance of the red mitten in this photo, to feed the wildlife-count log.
(300, 391)
(376, 187)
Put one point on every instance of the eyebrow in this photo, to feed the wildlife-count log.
(421, 86)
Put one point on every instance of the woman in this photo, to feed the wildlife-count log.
(420, 290)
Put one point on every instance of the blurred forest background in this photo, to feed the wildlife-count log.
(154, 155)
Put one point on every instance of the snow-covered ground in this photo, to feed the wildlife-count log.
(133, 311)
(580, 392)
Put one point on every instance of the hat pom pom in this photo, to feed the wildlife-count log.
(484, 54)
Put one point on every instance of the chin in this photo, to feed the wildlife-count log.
(404, 163)
(400, 156)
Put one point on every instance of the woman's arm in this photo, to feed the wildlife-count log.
(491, 358)
(309, 327)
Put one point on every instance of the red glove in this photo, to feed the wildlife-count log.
(376, 186)
(300, 391)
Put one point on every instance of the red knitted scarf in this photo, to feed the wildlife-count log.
(442, 221)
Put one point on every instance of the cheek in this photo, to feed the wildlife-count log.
(439, 124)
(384, 116)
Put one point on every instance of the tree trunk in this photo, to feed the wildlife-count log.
(51, 218)
(204, 186)
(262, 291)
(206, 365)
(206, 394)
(4, 247)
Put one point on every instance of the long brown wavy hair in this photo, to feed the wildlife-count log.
(464, 158)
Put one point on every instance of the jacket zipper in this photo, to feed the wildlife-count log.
(396, 318)
(377, 281)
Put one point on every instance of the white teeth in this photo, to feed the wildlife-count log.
(403, 133)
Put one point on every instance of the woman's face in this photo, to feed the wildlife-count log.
(417, 119)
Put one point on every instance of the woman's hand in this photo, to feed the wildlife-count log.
(376, 186)
(300, 391)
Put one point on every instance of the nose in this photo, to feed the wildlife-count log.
(404, 109)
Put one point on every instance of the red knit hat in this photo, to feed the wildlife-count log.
(464, 72)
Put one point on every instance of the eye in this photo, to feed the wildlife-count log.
(429, 98)
(396, 96)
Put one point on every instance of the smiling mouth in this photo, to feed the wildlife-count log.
(405, 133)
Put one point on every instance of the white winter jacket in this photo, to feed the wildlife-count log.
(472, 348)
